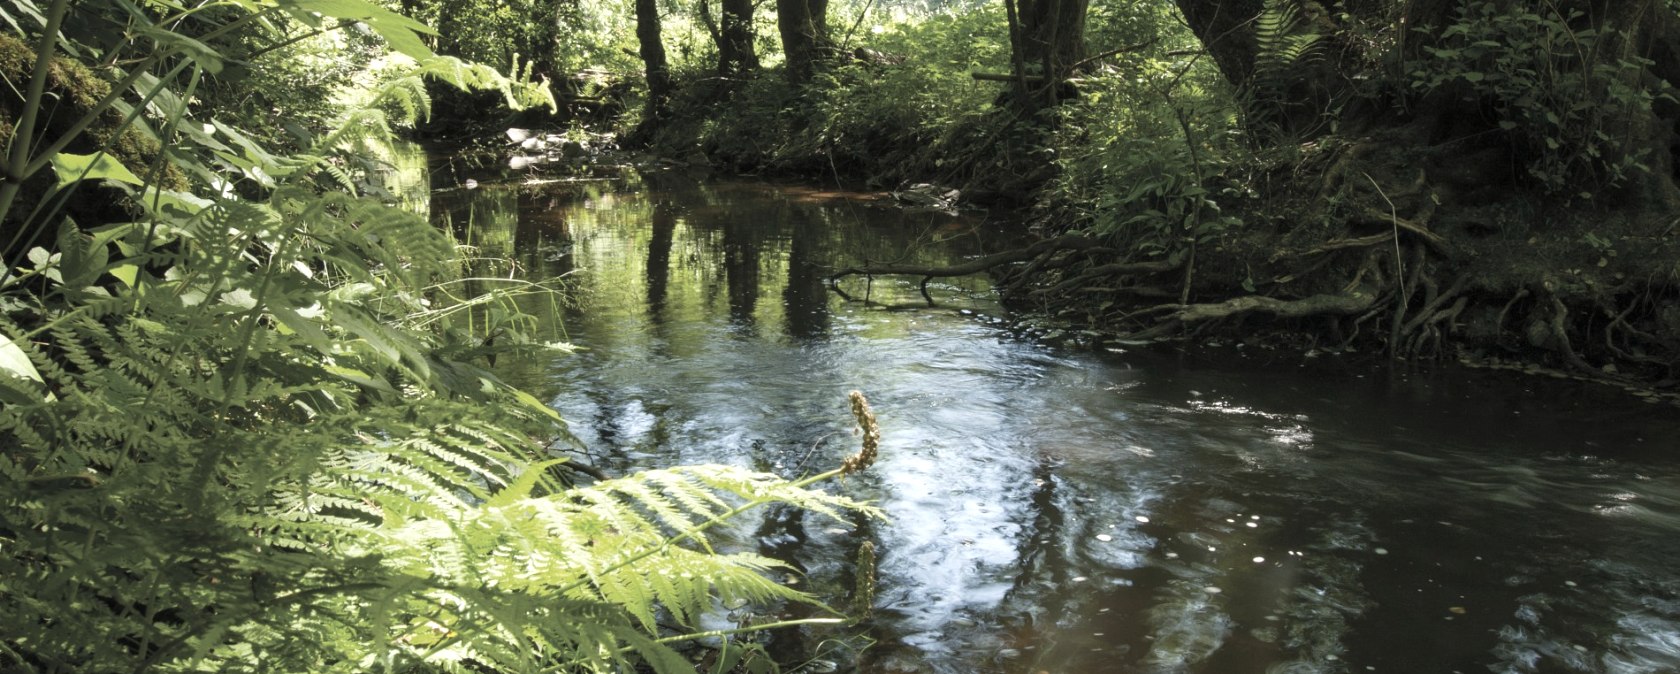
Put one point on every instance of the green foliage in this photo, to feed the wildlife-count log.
(563, 36)
(915, 111)
(1563, 92)
(1283, 40)
(1140, 156)
(238, 433)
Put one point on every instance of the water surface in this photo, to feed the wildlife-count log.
(1066, 510)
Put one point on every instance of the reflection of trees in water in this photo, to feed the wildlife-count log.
(806, 295)
(1041, 559)
(741, 242)
(664, 226)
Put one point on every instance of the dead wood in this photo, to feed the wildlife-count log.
(1316, 305)
(975, 266)
(1110, 271)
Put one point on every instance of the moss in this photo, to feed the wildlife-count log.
(74, 89)
(75, 82)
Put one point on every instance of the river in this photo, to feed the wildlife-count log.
(1073, 510)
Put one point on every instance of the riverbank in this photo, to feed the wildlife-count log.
(1509, 284)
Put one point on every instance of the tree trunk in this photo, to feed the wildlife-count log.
(735, 40)
(1226, 30)
(804, 28)
(1050, 38)
(653, 58)
(546, 43)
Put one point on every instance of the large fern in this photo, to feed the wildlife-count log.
(228, 445)
(1286, 41)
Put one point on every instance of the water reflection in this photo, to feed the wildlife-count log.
(663, 224)
(1069, 513)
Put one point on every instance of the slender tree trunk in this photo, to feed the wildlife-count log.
(1049, 35)
(546, 42)
(653, 58)
(804, 28)
(704, 8)
(736, 54)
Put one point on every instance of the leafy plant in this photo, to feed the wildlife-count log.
(238, 435)
(1564, 92)
(1143, 156)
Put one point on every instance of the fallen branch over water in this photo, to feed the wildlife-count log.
(1037, 253)
(975, 266)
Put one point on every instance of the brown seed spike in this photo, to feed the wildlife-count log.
(871, 436)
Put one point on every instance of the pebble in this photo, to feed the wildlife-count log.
(1104, 538)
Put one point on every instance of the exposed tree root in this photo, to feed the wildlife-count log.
(1340, 244)
(1316, 305)
(1381, 278)
(1436, 243)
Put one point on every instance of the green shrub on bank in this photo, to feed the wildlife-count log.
(1565, 94)
(907, 108)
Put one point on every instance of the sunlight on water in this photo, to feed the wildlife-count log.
(1063, 512)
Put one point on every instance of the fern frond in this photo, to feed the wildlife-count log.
(1284, 40)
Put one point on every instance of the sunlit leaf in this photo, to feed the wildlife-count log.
(400, 32)
(73, 167)
(14, 362)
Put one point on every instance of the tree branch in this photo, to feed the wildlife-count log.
(1066, 242)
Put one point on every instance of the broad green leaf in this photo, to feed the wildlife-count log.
(401, 32)
(73, 167)
(360, 378)
(164, 203)
(127, 273)
(202, 54)
(15, 363)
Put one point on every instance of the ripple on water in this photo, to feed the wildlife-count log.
(1009, 469)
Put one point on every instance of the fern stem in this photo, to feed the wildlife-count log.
(168, 131)
(213, 452)
(865, 457)
(695, 531)
(566, 666)
(750, 628)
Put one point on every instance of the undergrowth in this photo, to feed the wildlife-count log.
(243, 429)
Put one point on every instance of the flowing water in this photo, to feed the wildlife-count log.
(1071, 510)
